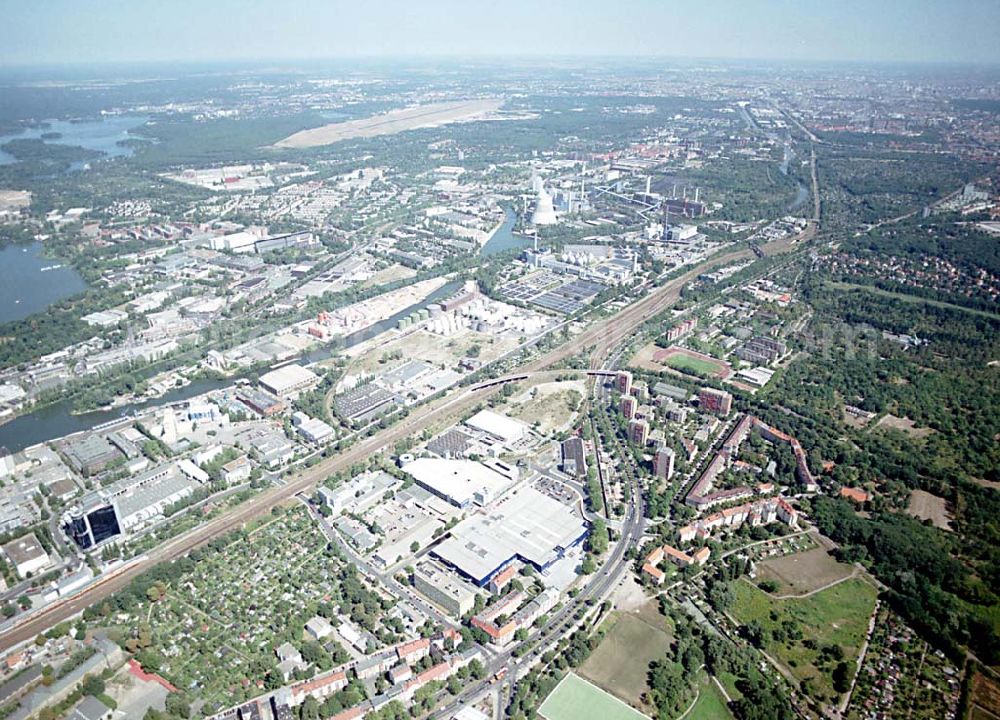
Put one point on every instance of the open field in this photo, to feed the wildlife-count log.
(710, 704)
(392, 122)
(926, 506)
(620, 663)
(904, 425)
(836, 616)
(388, 275)
(802, 572)
(422, 345)
(577, 699)
(552, 405)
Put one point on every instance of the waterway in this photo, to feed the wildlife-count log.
(57, 420)
(30, 282)
(801, 192)
(104, 135)
(504, 237)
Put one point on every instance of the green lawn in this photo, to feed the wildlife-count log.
(697, 366)
(711, 705)
(576, 699)
(729, 681)
(836, 616)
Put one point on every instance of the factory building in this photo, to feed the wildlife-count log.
(453, 594)
(499, 426)
(574, 457)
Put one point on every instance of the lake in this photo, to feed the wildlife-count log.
(101, 135)
(30, 282)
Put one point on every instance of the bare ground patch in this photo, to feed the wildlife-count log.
(926, 506)
(552, 405)
(903, 424)
(803, 572)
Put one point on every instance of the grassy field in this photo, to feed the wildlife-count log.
(710, 704)
(835, 616)
(693, 365)
(552, 405)
(802, 572)
(576, 699)
(620, 663)
(652, 357)
(729, 681)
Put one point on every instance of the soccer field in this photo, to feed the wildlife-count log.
(694, 365)
(576, 699)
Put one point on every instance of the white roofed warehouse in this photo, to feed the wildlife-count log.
(500, 426)
(463, 482)
(528, 526)
(289, 380)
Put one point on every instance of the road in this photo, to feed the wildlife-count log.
(601, 337)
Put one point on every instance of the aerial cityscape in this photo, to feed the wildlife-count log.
(572, 362)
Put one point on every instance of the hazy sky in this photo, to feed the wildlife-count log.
(61, 31)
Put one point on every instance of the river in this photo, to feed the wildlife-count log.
(104, 135)
(57, 420)
(504, 237)
(801, 192)
(30, 282)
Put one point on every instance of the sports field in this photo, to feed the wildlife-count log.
(620, 663)
(691, 362)
(576, 699)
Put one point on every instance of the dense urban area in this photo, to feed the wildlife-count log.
(641, 389)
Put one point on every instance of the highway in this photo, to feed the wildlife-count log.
(602, 337)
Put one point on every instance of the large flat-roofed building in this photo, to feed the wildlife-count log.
(463, 482)
(500, 426)
(262, 403)
(26, 554)
(367, 401)
(526, 525)
(90, 454)
(289, 380)
(444, 589)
